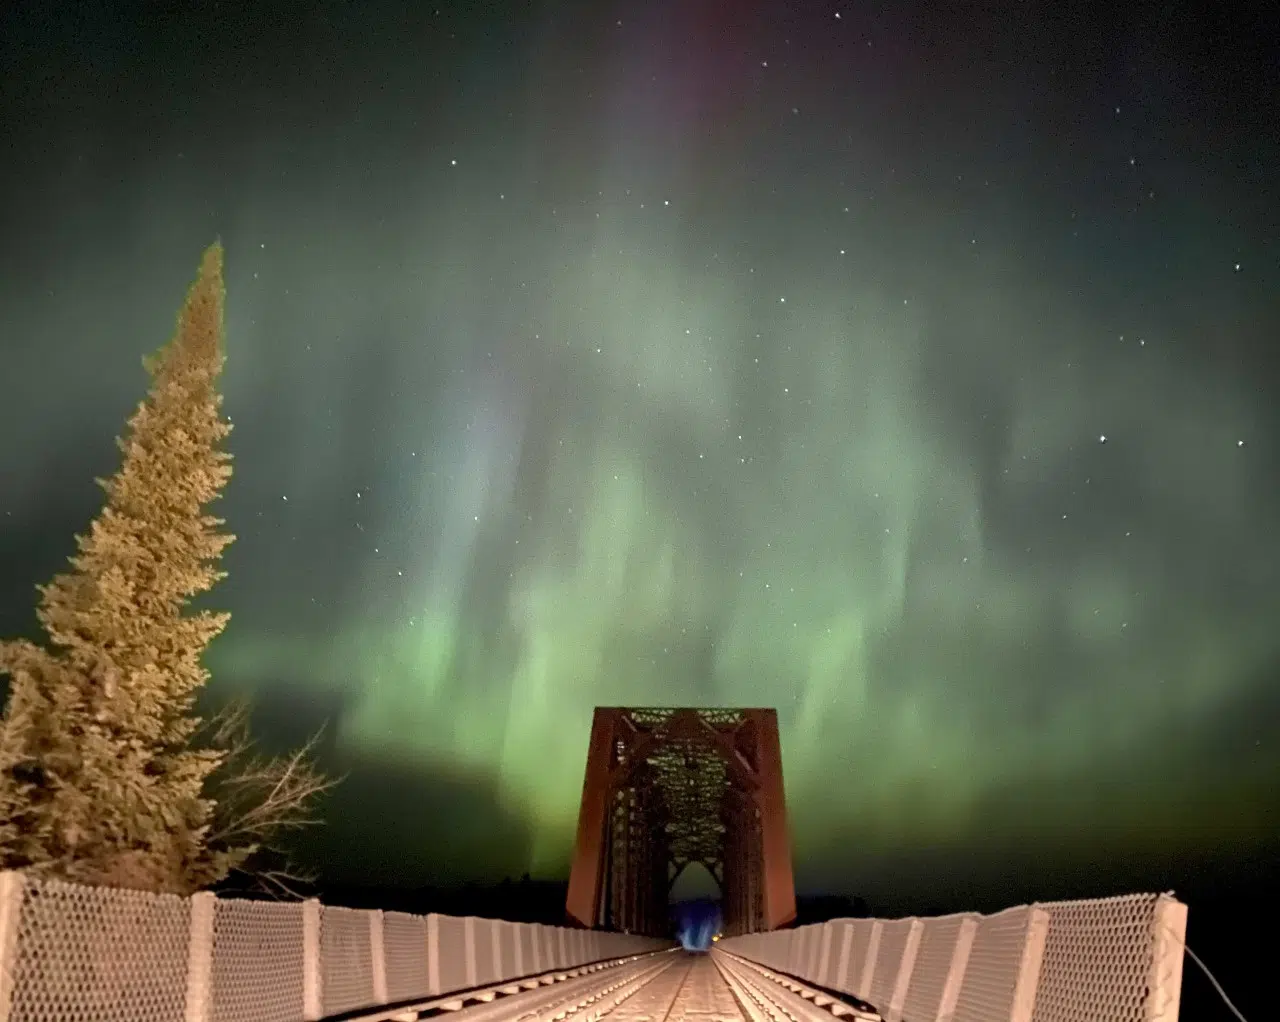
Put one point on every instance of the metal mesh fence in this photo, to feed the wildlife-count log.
(509, 950)
(884, 975)
(1103, 960)
(932, 966)
(404, 940)
(453, 963)
(826, 961)
(805, 947)
(346, 960)
(560, 946)
(991, 974)
(855, 947)
(258, 962)
(104, 955)
(484, 938)
(113, 954)
(1097, 961)
(91, 954)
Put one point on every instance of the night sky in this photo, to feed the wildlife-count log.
(906, 367)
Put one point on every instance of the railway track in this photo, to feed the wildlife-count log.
(670, 986)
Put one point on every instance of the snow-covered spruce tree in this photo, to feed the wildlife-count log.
(104, 776)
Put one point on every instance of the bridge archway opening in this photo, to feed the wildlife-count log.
(694, 903)
(694, 882)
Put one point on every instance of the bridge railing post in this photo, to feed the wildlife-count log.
(1168, 946)
(203, 906)
(842, 976)
(905, 968)
(469, 937)
(312, 995)
(955, 972)
(1024, 991)
(378, 953)
(823, 976)
(434, 986)
(501, 967)
(863, 989)
(11, 885)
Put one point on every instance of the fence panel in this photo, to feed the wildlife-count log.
(448, 950)
(99, 953)
(825, 960)
(810, 948)
(509, 950)
(109, 955)
(795, 944)
(526, 937)
(853, 956)
(893, 943)
(1097, 957)
(779, 951)
(484, 937)
(346, 960)
(257, 961)
(987, 989)
(404, 940)
(544, 936)
(933, 966)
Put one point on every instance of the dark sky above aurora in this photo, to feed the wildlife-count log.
(906, 371)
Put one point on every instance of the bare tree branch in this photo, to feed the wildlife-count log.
(261, 798)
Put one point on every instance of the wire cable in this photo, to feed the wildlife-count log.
(1212, 979)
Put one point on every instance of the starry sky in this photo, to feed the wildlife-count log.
(907, 369)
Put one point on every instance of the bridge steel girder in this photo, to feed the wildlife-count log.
(664, 788)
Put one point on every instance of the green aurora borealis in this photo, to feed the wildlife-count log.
(714, 518)
(674, 364)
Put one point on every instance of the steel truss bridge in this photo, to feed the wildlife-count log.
(666, 788)
(662, 789)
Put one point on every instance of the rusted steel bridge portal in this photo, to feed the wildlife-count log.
(665, 788)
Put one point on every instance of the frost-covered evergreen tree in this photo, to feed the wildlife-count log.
(103, 778)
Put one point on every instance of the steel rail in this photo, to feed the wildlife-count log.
(491, 1003)
(667, 986)
(621, 1000)
(762, 987)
